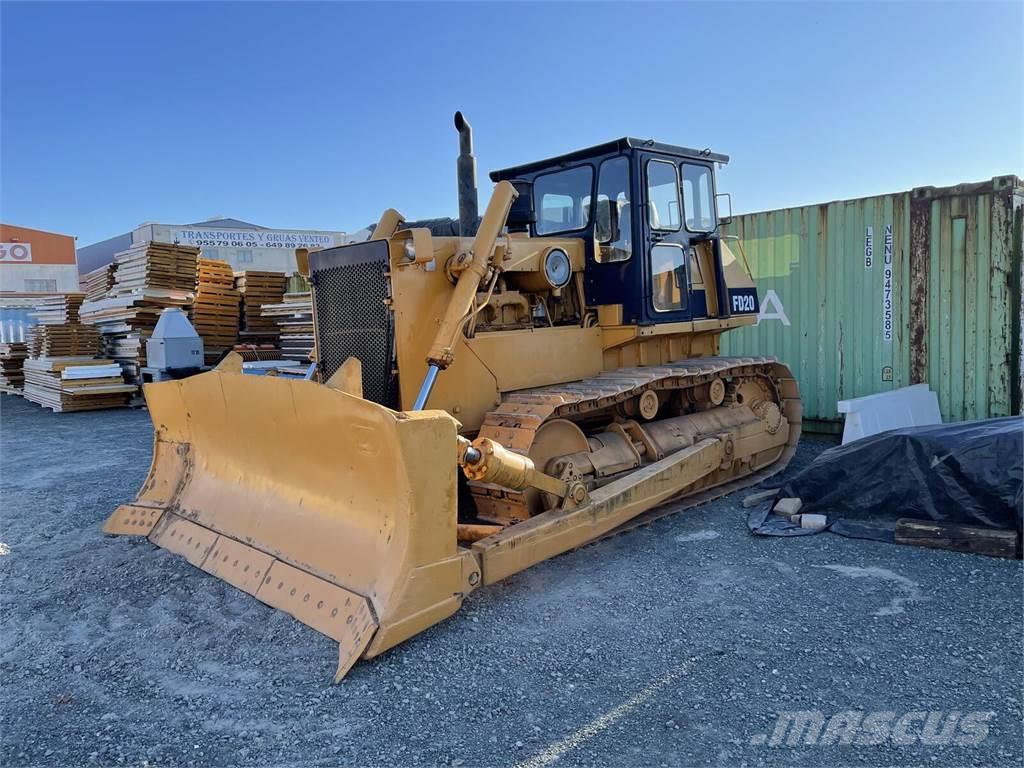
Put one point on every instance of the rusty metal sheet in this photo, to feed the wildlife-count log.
(133, 519)
(327, 608)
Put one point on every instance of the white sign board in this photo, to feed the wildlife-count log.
(16, 253)
(250, 238)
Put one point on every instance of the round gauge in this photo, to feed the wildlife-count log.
(557, 268)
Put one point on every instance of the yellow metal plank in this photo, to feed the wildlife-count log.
(238, 564)
(327, 608)
(185, 538)
(133, 519)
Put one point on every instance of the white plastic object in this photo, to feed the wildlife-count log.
(912, 406)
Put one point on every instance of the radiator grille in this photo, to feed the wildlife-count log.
(350, 291)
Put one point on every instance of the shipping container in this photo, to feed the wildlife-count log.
(862, 296)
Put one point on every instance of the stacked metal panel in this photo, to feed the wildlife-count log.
(147, 279)
(155, 266)
(98, 282)
(75, 384)
(59, 330)
(12, 360)
(294, 317)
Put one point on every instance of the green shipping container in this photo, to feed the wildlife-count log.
(863, 296)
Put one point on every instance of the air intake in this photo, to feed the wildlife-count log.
(352, 318)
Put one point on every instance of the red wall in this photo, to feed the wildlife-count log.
(47, 247)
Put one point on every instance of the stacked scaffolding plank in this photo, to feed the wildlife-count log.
(12, 360)
(59, 309)
(294, 317)
(74, 383)
(147, 279)
(60, 372)
(259, 289)
(215, 311)
(62, 341)
(60, 330)
(156, 265)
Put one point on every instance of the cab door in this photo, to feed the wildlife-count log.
(667, 287)
(612, 274)
(700, 220)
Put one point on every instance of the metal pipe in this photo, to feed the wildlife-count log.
(469, 532)
(425, 387)
(468, 200)
(442, 352)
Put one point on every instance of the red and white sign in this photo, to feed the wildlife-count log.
(16, 253)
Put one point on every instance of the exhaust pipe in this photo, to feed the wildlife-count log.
(468, 201)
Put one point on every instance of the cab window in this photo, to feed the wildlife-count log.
(561, 200)
(698, 198)
(662, 195)
(668, 275)
(613, 227)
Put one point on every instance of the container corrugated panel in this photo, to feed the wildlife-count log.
(15, 324)
(862, 296)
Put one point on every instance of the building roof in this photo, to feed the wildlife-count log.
(32, 229)
(100, 254)
(226, 224)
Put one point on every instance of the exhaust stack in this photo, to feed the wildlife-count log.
(468, 201)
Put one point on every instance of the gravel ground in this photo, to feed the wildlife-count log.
(676, 644)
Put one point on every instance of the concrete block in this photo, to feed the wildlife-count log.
(759, 498)
(814, 522)
(788, 506)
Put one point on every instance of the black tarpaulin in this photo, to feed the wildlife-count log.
(969, 473)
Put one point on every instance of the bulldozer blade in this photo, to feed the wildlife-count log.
(331, 508)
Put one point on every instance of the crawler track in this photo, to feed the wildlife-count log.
(516, 421)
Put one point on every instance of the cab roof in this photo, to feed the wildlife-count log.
(610, 147)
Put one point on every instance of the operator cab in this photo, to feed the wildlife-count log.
(652, 238)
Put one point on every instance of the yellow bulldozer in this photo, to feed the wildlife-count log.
(491, 393)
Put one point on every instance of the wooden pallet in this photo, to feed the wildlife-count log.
(259, 289)
(215, 312)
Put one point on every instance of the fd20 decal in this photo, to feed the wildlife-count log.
(743, 302)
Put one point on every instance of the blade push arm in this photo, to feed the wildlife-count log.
(488, 461)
